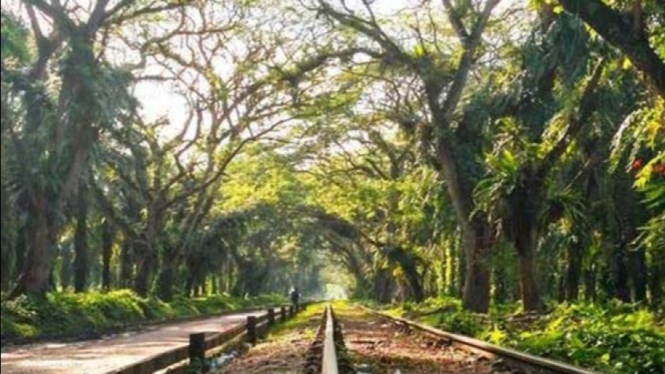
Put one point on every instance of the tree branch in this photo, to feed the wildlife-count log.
(618, 31)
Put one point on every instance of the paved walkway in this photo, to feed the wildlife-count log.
(104, 355)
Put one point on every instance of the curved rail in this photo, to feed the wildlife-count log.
(513, 358)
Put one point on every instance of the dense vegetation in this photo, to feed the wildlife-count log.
(89, 314)
(615, 337)
(509, 154)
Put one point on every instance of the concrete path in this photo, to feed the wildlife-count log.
(104, 355)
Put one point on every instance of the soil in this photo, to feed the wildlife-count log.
(283, 352)
(377, 346)
(372, 346)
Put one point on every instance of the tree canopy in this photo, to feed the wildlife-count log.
(495, 151)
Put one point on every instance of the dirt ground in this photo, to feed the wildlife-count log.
(378, 347)
(104, 355)
(283, 351)
(373, 346)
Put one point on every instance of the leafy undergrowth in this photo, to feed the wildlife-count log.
(613, 338)
(91, 313)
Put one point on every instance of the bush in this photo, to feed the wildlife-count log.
(613, 338)
(62, 314)
(617, 339)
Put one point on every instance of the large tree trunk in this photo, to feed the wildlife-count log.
(81, 267)
(35, 276)
(476, 233)
(126, 264)
(500, 287)
(65, 266)
(619, 275)
(573, 270)
(590, 284)
(407, 262)
(476, 293)
(638, 274)
(528, 283)
(524, 203)
(656, 280)
(6, 266)
(145, 266)
(108, 237)
(20, 251)
(166, 281)
(383, 286)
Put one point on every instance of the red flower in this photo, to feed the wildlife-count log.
(637, 164)
(660, 169)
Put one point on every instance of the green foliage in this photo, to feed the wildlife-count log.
(609, 339)
(613, 338)
(62, 314)
(14, 39)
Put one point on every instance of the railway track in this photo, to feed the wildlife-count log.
(355, 340)
(514, 360)
(328, 352)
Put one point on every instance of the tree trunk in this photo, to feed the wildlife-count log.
(590, 284)
(613, 26)
(204, 287)
(619, 276)
(407, 262)
(573, 270)
(638, 274)
(524, 205)
(20, 251)
(189, 285)
(215, 285)
(7, 263)
(383, 289)
(500, 289)
(81, 267)
(65, 266)
(126, 264)
(477, 241)
(476, 233)
(144, 270)
(656, 281)
(166, 282)
(528, 284)
(35, 276)
(108, 237)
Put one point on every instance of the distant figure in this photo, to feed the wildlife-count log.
(295, 295)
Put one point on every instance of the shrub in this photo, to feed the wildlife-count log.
(614, 338)
(62, 314)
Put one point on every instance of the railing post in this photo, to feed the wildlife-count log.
(197, 350)
(251, 329)
(271, 317)
(282, 311)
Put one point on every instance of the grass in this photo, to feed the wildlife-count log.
(62, 315)
(612, 338)
(300, 320)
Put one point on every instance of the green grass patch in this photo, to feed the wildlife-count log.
(300, 320)
(61, 314)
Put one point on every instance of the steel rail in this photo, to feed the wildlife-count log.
(329, 360)
(513, 358)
